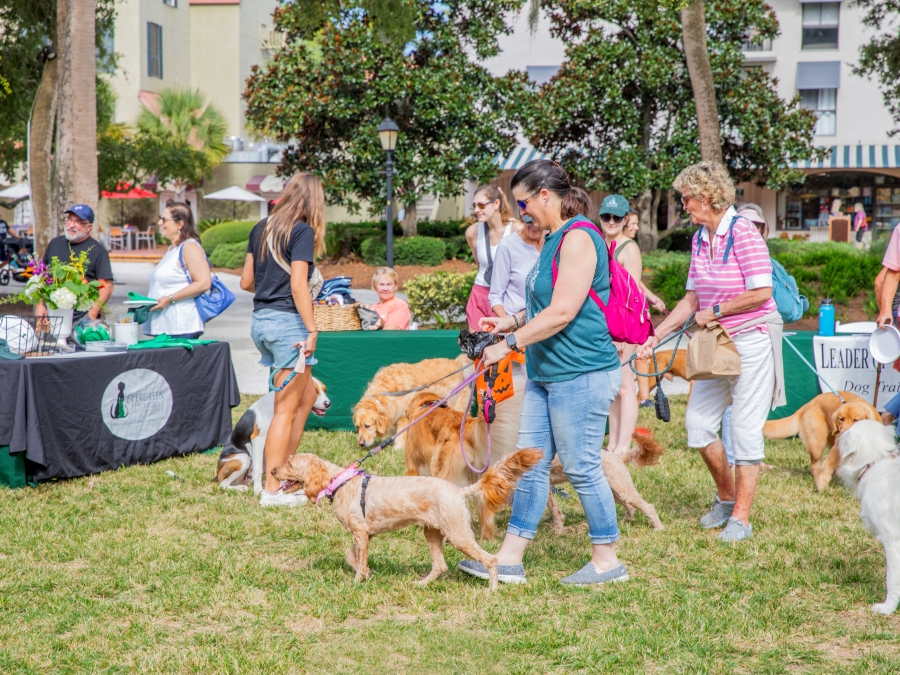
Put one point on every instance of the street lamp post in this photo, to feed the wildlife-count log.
(387, 134)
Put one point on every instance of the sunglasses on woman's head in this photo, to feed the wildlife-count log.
(606, 217)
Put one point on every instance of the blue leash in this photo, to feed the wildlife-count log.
(812, 368)
(290, 377)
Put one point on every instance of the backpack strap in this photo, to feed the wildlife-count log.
(487, 248)
(728, 246)
(582, 224)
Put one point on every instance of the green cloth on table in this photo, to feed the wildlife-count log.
(12, 468)
(139, 314)
(163, 341)
(348, 360)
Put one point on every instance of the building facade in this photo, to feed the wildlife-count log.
(813, 57)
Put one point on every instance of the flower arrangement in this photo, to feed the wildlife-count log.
(60, 285)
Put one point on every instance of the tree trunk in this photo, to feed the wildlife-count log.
(40, 163)
(410, 219)
(647, 235)
(76, 149)
(693, 34)
(654, 211)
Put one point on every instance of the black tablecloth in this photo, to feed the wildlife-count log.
(87, 413)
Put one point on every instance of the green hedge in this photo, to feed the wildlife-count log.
(678, 240)
(207, 223)
(427, 251)
(458, 248)
(828, 270)
(443, 229)
(342, 239)
(441, 296)
(230, 256)
(226, 233)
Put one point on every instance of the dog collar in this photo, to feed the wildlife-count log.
(350, 472)
(868, 466)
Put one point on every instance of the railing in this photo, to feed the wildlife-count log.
(818, 234)
(764, 46)
(271, 40)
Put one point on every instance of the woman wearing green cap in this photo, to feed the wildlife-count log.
(623, 413)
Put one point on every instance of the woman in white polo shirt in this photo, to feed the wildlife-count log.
(730, 281)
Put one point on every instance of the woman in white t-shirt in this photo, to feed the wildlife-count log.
(494, 222)
(179, 277)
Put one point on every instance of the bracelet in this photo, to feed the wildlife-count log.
(310, 332)
(172, 298)
(516, 320)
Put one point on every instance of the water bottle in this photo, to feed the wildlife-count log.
(826, 318)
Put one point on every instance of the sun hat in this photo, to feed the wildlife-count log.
(616, 205)
(752, 213)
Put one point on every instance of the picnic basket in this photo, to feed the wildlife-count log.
(331, 318)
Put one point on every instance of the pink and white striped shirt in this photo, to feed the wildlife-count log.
(748, 267)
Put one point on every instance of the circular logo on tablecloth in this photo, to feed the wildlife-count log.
(136, 404)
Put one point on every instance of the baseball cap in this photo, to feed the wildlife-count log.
(83, 211)
(617, 205)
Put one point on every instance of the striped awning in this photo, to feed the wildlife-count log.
(856, 157)
(519, 156)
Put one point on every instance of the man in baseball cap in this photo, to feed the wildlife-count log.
(77, 238)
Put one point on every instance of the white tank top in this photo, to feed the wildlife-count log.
(482, 253)
(168, 277)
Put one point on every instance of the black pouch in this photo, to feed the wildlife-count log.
(473, 343)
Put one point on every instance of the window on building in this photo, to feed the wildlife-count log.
(541, 74)
(824, 103)
(171, 3)
(154, 50)
(820, 25)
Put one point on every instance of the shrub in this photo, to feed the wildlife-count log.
(427, 251)
(206, 223)
(226, 233)
(373, 251)
(669, 280)
(441, 296)
(443, 229)
(229, 256)
(458, 248)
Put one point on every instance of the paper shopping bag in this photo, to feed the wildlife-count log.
(712, 354)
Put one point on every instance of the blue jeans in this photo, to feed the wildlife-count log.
(568, 418)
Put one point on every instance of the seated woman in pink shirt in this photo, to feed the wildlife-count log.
(393, 311)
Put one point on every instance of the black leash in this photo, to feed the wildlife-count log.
(690, 323)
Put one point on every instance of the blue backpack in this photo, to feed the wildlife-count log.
(791, 305)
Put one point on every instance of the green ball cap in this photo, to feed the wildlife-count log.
(617, 205)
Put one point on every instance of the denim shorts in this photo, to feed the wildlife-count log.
(275, 333)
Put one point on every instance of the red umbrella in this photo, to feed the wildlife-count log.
(125, 191)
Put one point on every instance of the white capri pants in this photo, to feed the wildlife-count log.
(749, 394)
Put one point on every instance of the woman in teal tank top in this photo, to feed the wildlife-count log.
(573, 375)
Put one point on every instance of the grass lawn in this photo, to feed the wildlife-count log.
(132, 571)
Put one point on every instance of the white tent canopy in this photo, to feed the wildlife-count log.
(239, 194)
(17, 192)
(235, 194)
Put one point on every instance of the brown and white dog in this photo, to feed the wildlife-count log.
(378, 416)
(395, 502)
(818, 423)
(242, 460)
(870, 468)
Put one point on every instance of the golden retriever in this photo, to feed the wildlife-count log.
(379, 416)
(433, 449)
(392, 503)
(818, 423)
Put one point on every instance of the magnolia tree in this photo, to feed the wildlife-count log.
(347, 66)
(621, 111)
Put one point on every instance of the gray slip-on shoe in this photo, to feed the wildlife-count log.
(508, 574)
(735, 531)
(718, 515)
(589, 576)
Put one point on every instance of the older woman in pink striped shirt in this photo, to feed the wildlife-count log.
(730, 281)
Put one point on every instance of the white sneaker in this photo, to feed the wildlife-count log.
(282, 498)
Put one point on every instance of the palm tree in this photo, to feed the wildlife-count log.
(184, 119)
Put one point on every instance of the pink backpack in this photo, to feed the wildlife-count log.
(627, 313)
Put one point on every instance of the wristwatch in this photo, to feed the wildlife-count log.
(511, 341)
(717, 311)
